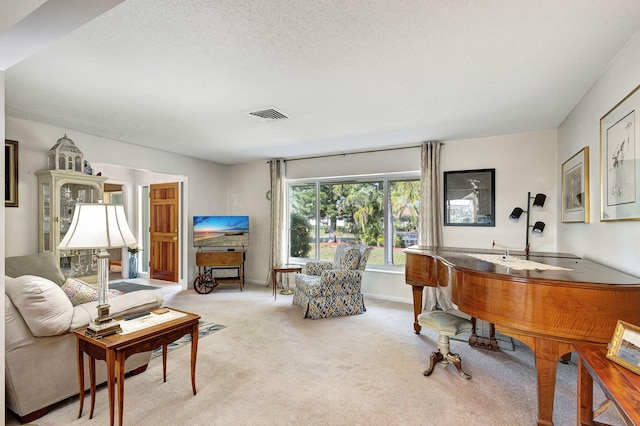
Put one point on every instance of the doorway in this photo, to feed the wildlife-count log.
(136, 186)
(164, 225)
(113, 195)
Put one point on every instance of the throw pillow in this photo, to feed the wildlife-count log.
(80, 292)
(45, 265)
(42, 304)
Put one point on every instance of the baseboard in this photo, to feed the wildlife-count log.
(388, 298)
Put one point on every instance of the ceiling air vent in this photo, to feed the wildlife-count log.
(268, 114)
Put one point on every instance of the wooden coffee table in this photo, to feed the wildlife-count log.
(116, 348)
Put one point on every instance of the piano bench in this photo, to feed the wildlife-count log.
(445, 324)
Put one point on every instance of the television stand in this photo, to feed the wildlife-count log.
(209, 262)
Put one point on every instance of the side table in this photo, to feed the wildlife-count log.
(284, 269)
(620, 386)
(116, 348)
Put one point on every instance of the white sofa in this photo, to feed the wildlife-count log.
(40, 348)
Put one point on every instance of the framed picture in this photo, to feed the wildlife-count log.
(469, 198)
(10, 173)
(575, 187)
(625, 346)
(619, 186)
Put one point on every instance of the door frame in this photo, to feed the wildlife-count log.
(133, 180)
(143, 215)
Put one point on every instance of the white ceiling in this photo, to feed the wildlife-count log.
(180, 75)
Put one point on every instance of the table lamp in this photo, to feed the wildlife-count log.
(101, 227)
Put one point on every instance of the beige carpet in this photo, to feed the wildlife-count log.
(271, 367)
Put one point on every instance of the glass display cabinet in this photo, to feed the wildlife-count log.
(58, 193)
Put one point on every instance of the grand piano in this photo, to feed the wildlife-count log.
(548, 310)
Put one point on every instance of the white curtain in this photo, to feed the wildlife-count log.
(277, 255)
(430, 210)
(430, 233)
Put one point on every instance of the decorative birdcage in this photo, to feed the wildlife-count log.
(65, 155)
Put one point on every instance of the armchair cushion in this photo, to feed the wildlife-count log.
(43, 305)
(330, 283)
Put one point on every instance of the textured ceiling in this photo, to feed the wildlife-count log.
(181, 75)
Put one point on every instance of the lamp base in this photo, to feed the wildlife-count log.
(103, 314)
(103, 329)
(103, 325)
(286, 291)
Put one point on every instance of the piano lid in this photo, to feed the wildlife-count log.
(574, 270)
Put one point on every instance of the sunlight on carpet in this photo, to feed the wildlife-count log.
(204, 329)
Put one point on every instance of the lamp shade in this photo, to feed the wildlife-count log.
(539, 200)
(516, 213)
(538, 227)
(98, 226)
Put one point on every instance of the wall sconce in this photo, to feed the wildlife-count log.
(537, 227)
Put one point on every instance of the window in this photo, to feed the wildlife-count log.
(379, 211)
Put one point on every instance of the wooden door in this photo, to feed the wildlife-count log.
(163, 231)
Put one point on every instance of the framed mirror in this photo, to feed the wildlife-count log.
(469, 198)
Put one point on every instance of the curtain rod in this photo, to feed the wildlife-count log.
(352, 153)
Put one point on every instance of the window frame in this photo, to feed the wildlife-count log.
(385, 178)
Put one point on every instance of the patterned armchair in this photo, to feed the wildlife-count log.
(331, 289)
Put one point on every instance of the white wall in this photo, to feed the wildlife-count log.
(206, 193)
(4, 237)
(527, 163)
(523, 162)
(248, 184)
(614, 244)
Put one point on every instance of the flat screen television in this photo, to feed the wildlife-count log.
(221, 231)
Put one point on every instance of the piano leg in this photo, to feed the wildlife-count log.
(417, 306)
(547, 353)
(546, 369)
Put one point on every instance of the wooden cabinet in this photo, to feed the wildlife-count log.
(58, 193)
(219, 267)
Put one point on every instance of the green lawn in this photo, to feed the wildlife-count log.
(327, 252)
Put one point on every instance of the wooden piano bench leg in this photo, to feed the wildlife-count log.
(435, 358)
(457, 362)
(445, 324)
(445, 357)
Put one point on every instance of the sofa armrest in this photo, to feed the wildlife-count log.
(317, 267)
(128, 303)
